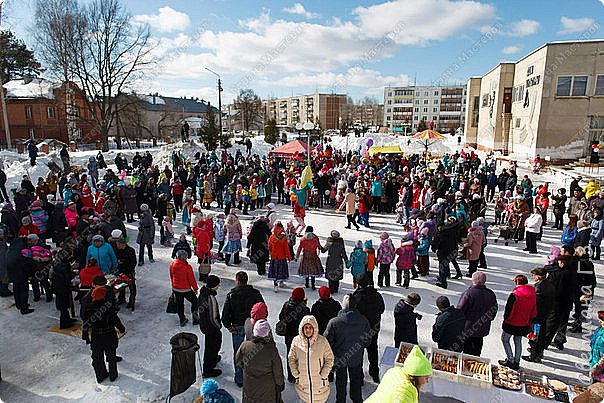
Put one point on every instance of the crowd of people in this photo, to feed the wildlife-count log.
(70, 229)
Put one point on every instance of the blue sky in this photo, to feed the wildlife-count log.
(280, 48)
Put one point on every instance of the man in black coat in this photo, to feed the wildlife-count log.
(564, 278)
(405, 320)
(3, 193)
(325, 308)
(371, 306)
(237, 307)
(291, 315)
(61, 287)
(448, 330)
(445, 246)
(546, 293)
(19, 269)
(126, 264)
(209, 324)
(346, 333)
(99, 317)
(10, 218)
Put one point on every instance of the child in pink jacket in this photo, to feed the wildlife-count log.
(405, 258)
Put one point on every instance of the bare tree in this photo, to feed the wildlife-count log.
(104, 52)
(58, 20)
(249, 105)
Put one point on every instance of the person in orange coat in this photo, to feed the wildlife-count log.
(278, 269)
(184, 287)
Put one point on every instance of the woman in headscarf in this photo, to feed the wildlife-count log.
(232, 227)
(310, 265)
(278, 270)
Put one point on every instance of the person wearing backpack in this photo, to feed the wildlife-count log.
(210, 326)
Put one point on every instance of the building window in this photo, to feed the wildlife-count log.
(417, 102)
(50, 112)
(436, 102)
(599, 85)
(416, 110)
(415, 118)
(426, 101)
(389, 102)
(425, 110)
(417, 93)
(530, 70)
(575, 86)
(426, 93)
(389, 110)
(29, 114)
(434, 110)
(517, 125)
(390, 93)
(32, 133)
(579, 86)
(387, 117)
(485, 100)
(434, 118)
(435, 93)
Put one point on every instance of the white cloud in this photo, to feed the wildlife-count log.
(166, 20)
(298, 9)
(573, 25)
(523, 28)
(416, 22)
(353, 77)
(510, 50)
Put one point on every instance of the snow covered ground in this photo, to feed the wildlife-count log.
(38, 365)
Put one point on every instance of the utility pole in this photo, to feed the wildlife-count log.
(9, 143)
(219, 100)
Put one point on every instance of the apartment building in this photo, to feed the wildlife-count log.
(405, 107)
(289, 111)
(362, 115)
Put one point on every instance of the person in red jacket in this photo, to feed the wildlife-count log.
(203, 245)
(184, 287)
(89, 272)
(520, 310)
(27, 228)
(177, 191)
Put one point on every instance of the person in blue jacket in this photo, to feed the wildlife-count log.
(376, 195)
(570, 232)
(103, 253)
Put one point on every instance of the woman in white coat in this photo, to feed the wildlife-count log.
(310, 360)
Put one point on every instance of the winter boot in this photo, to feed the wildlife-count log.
(306, 282)
(4, 290)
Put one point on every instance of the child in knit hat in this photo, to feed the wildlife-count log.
(385, 257)
(357, 261)
(404, 261)
(211, 393)
(423, 250)
(370, 265)
(166, 232)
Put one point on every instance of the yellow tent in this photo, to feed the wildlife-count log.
(385, 150)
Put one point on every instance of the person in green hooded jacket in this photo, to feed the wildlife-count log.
(403, 384)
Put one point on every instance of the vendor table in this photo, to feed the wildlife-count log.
(440, 387)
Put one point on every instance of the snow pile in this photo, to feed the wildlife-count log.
(36, 88)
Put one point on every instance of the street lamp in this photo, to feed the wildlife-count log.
(219, 100)
(308, 127)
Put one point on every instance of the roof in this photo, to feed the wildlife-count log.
(289, 149)
(36, 88)
(183, 105)
(569, 42)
